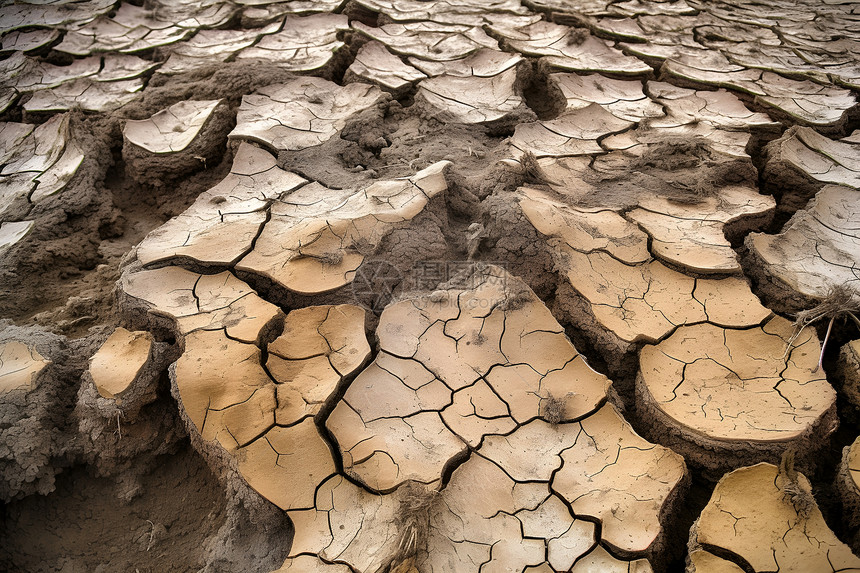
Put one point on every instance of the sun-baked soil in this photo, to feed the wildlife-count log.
(411, 287)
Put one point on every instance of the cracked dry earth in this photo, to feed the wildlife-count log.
(394, 286)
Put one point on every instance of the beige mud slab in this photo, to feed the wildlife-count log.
(693, 237)
(37, 163)
(769, 521)
(320, 347)
(263, 12)
(802, 101)
(131, 29)
(464, 12)
(316, 237)
(725, 145)
(507, 499)
(85, 94)
(817, 250)
(175, 141)
(313, 239)
(105, 35)
(226, 394)
(722, 395)
(193, 13)
(27, 74)
(210, 47)
(604, 257)
(119, 362)
(54, 14)
(484, 63)
(117, 67)
(572, 133)
(222, 224)
(35, 150)
(30, 41)
(571, 49)
(474, 99)
(624, 99)
(429, 40)
(718, 108)
(267, 424)
(11, 233)
(802, 162)
(304, 44)
(170, 130)
(20, 366)
(301, 113)
(189, 302)
(376, 65)
(454, 367)
(597, 227)
(59, 175)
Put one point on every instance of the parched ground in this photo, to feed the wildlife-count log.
(376, 286)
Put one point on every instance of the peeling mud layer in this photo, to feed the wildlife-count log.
(367, 286)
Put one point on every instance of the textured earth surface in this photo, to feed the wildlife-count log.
(396, 286)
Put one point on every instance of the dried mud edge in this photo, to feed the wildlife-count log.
(849, 496)
(774, 292)
(714, 458)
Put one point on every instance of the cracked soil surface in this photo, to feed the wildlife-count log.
(395, 286)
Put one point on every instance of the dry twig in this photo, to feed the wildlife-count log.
(841, 302)
(413, 521)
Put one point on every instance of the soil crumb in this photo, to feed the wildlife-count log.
(84, 526)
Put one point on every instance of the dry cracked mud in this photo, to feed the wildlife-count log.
(394, 286)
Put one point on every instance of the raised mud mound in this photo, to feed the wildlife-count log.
(374, 286)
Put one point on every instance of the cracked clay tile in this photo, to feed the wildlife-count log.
(486, 62)
(376, 65)
(719, 108)
(208, 47)
(224, 391)
(474, 99)
(69, 15)
(460, 12)
(502, 331)
(200, 302)
(308, 246)
(222, 224)
(600, 561)
(29, 41)
(563, 48)
(87, 94)
(318, 348)
(311, 564)
(302, 112)
(20, 366)
(619, 478)
(270, 463)
(304, 44)
(751, 514)
(705, 380)
(118, 362)
(12, 232)
(429, 40)
(170, 130)
(818, 248)
(622, 98)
